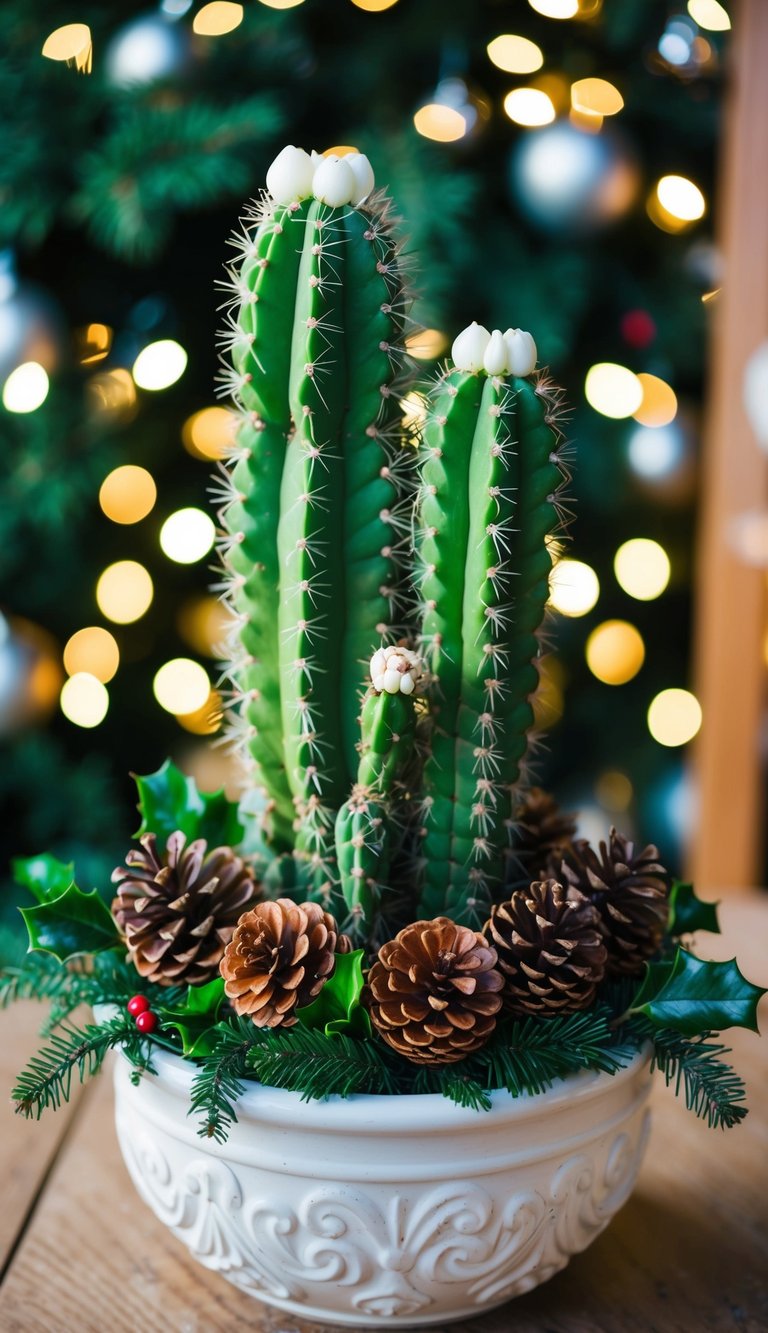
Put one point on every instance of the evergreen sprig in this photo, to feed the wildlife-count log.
(712, 1088)
(319, 1066)
(219, 1081)
(47, 1079)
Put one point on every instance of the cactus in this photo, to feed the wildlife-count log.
(377, 797)
(491, 484)
(312, 511)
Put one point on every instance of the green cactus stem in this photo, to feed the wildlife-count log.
(491, 483)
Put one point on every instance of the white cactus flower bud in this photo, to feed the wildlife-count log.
(317, 158)
(521, 352)
(334, 182)
(363, 173)
(396, 670)
(290, 176)
(469, 348)
(496, 360)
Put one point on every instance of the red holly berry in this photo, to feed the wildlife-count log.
(146, 1021)
(138, 1004)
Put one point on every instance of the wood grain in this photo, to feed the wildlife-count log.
(687, 1254)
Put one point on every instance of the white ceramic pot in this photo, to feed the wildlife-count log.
(386, 1211)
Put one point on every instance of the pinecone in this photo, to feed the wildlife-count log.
(550, 949)
(280, 957)
(630, 891)
(433, 994)
(542, 830)
(178, 912)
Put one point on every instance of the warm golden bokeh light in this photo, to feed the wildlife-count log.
(615, 652)
(210, 433)
(442, 123)
(84, 700)
(613, 390)
(94, 343)
(674, 717)
(71, 43)
(187, 535)
(415, 407)
(159, 365)
(26, 388)
(547, 700)
(596, 97)
(614, 791)
(205, 721)
(680, 199)
(659, 405)
(573, 587)
(181, 686)
(556, 9)
(427, 344)
(128, 494)
(642, 568)
(340, 150)
(374, 6)
(124, 592)
(531, 107)
(214, 19)
(709, 14)
(280, 4)
(93, 650)
(113, 392)
(203, 623)
(515, 55)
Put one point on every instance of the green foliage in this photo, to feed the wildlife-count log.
(527, 1055)
(195, 1018)
(337, 1009)
(694, 996)
(47, 1080)
(220, 1080)
(320, 1066)
(45, 876)
(169, 800)
(713, 1091)
(71, 923)
(687, 913)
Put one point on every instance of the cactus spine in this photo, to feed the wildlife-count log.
(491, 480)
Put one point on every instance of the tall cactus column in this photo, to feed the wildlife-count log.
(490, 479)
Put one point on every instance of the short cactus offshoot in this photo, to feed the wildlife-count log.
(398, 788)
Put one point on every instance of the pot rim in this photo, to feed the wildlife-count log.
(367, 1112)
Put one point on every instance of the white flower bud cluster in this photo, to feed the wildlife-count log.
(396, 670)
(497, 353)
(295, 175)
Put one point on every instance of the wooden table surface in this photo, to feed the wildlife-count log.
(80, 1252)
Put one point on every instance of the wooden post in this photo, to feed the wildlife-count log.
(729, 671)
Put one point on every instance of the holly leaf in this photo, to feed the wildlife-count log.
(44, 875)
(337, 1009)
(71, 923)
(687, 913)
(196, 1017)
(169, 800)
(692, 995)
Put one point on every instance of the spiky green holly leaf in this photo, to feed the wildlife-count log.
(687, 913)
(71, 923)
(337, 1008)
(44, 875)
(692, 995)
(169, 800)
(195, 1018)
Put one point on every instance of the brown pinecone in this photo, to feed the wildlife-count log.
(542, 830)
(550, 949)
(433, 994)
(281, 955)
(630, 891)
(178, 912)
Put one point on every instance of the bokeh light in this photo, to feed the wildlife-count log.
(71, 43)
(124, 592)
(530, 107)
(94, 343)
(84, 700)
(159, 365)
(674, 717)
(442, 123)
(26, 388)
(203, 623)
(93, 650)
(204, 721)
(659, 405)
(214, 19)
(415, 407)
(515, 55)
(655, 453)
(642, 568)
(614, 791)
(373, 6)
(128, 494)
(613, 390)
(427, 344)
(709, 14)
(615, 652)
(555, 9)
(596, 97)
(113, 392)
(210, 433)
(573, 587)
(187, 535)
(181, 686)
(676, 203)
(280, 4)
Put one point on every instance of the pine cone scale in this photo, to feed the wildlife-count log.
(278, 960)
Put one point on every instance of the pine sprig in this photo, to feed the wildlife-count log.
(713, 1090)
(47, 1079)
(530, 1054)
(39, 976)
(320, 1066)
(219, 1081)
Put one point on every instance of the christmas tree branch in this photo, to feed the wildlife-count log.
(47, 1079)
(713, 1091)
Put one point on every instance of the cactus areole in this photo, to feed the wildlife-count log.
(387, 585)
